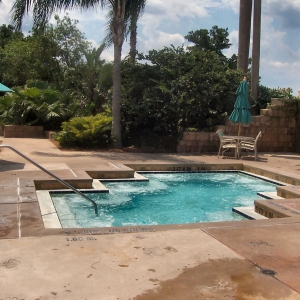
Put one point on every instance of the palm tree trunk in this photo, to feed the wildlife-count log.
(256, 48)
(244, 34)
(117, 28)
(116, 99)
(133, 34)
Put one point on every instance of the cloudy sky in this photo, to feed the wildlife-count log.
(166, 22)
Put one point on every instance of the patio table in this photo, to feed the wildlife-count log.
(238, 139)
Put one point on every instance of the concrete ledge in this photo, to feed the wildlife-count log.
(187, 167)
(288, 191)
(271, 173)
(248, 212)
(278, 208)
(53, 184)
(118, 170)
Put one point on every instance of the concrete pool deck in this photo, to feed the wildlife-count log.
(239, 260)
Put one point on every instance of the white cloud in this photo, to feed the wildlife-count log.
(175, 9)
(160, 13)
(233, 37)
(233, 4)
(159, 40)
(277, 64)
(4, 11)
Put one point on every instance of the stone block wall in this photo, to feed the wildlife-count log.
(278, 124)
(14, 131)
(201, 142)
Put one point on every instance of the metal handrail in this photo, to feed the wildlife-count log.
(52, 175)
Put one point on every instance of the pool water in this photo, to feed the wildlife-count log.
(167, 198)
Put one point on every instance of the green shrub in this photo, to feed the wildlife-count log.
(86, 132)
(265, 95)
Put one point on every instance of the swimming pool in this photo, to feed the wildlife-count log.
(167, 198)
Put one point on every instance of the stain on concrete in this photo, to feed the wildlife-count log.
(219, 279)
(10, 263)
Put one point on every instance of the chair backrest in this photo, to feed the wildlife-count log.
(258, 136)
(220, 133)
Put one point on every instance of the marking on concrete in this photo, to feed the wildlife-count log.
(119, 166)
(80, 239)
(256, 244)
(221, 285)
(84, 231)
(73, 173)
(18, 210)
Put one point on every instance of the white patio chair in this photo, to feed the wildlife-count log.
(225, 143)
(250, 145)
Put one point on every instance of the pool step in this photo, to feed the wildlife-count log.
(269, 195)
(117, 172)
(248, 212)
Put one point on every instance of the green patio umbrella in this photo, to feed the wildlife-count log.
(241, 113)
(4, 88)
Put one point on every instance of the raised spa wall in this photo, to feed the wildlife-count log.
(278, 123)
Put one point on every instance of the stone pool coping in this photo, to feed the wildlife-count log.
(31, 217)
(212, 261)
(51, 219)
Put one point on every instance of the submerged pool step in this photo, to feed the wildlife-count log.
(269, 195)
(248, 212)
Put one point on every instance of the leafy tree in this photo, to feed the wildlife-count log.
(32, 57)
(216, 39)
(7, 32)
(70, 41)
(176, 90)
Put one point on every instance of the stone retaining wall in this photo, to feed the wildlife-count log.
(278, 124)
(14, 131)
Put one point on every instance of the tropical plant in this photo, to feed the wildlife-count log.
(83, 132)
(42, 11)
(34, 106)
(90, 72)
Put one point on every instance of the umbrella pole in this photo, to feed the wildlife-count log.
(239, 130)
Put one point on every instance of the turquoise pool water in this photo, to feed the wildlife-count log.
(176, 198)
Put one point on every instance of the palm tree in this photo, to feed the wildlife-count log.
(43, 9)
(134, 10)
(93, 72)
(244, 34)
(256, 48)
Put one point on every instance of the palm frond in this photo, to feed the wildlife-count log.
(43, 9)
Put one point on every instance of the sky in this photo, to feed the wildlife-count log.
(166, 22)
